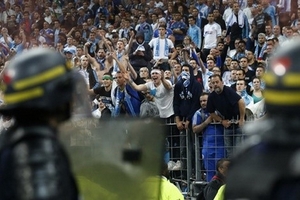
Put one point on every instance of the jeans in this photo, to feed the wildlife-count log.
(232, 139)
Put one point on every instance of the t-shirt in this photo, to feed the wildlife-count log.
(163, 98)
(160, 51)
(260, 22)
(225, 103)
(105, 96)
(211, 32)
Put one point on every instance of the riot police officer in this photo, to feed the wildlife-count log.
(269, 167)
(40, 87)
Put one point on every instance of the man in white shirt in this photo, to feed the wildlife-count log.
(162, 47)
(212, 34)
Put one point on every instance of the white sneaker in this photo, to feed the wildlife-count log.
(178, 165)
(171, 165)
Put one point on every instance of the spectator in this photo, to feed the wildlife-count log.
(79, 51)
(144, 74)
(207, 72)
(102, 111)
(219, 20)
(249, 73)
(161, 89)
(237, 24)
(179, 28)
(197, 72)
(56, 10)
(92, 44)
(295, 21)
(148, 106)
(232, 78)
(202, 8)
(19, 14)
(212, 137)
(256, 93)
(259, 73)
(228, 11)
(212, 34)
(12, 25)
(176, 71)
(241, 90)
(145, 28)
(269, 32)
(47, 33)
(227, 64)
(38, 21)
(186, 94)
(240, 51)
(271, 11)
(287, 12)
(240, 74)
(289, 33)
(162, 47)
(101, 58)
(200, 21)
(105, 91)
(69, 45)
(234, 64)
(232, 52)
(260, 21)
(155, 21)
(249, 11)
(120, 52)
(8, 12)
(88, 72)
(47, 16)
(26, 24)
(18, 44)
(162, 21)
(88, 12)
(125, 99)
(277, 34)
(56, 31)
(252, 61)
(140, 53)
(194, 32)
(260, 47)
(228, 105)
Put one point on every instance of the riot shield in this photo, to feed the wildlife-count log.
(115, 159)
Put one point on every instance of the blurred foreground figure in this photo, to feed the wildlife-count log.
(40, 89)
(269, 167)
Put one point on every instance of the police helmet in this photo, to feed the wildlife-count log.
(282, 93)
(39, 81)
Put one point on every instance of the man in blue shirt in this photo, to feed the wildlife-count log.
(212, 137)
(179, 28)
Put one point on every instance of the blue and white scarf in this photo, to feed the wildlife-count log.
(233, 19)
(185, 93)
(261, 53)
(157, 48)
(122, 97)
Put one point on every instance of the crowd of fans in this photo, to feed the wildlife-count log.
(157, 58)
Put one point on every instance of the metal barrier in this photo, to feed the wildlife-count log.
(196, 170)
(180, 149)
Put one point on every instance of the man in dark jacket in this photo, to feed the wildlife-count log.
(187, 92)
(140, 52)
(218, 180)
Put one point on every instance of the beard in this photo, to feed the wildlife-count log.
(218, 90)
